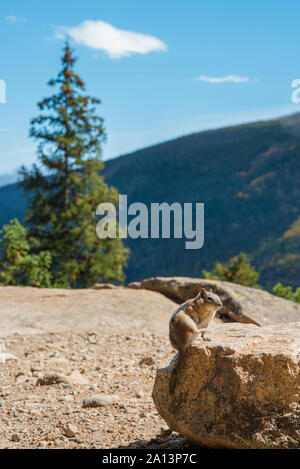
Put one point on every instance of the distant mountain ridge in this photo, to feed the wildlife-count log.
(247, 176)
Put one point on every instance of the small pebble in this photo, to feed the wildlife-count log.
(70, 430)
(100, 400)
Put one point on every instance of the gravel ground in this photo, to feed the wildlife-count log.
(60, 347)
(80, 365)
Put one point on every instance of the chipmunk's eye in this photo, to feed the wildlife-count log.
(209, 298)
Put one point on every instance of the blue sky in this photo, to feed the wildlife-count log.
(161, 68)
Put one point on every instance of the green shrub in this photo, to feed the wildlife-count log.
(17, 265)
(287, 292)
(237, 270)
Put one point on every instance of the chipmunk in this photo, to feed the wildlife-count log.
(189, 320)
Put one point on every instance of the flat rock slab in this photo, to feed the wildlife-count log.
(28, 310)
(239, 390)
(240, 304)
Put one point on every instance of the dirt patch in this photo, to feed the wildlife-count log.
(72, 345)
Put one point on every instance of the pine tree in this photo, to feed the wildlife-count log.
(65, 188)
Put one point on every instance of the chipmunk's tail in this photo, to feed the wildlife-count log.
(174, 372)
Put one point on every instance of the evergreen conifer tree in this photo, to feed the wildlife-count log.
(65, 188)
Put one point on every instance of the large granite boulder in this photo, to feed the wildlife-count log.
(241, 389)
(240, 304)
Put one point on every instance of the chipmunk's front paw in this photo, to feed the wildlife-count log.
(206, 331)
(206, 339)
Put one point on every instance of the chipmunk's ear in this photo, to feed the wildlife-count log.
(201, 294)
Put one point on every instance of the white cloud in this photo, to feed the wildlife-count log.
(115, 42)
(12, 19)
(227, 78)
